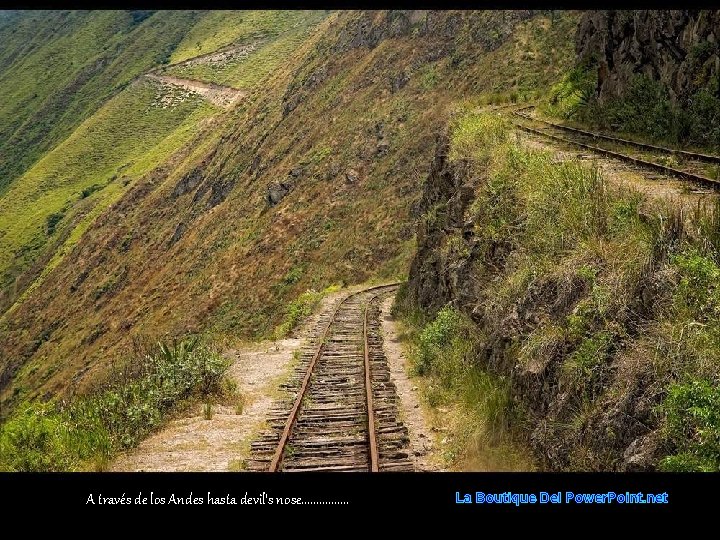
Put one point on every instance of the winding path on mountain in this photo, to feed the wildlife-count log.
(222, 96)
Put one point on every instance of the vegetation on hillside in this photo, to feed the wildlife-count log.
(191, 245)
(606, 296)
(129, 136)
(86, 432)
(273, 35)
(443, 350)
(57, 68)
(645, 110)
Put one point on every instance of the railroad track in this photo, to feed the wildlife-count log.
(694, 164)
(341, 414)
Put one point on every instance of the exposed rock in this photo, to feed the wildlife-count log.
(276, 192)
(179, 231)
(398, 82)
(430, 285)
(383, 148)
(678, 48)
(188, 182)
(617, 432)
(351, 176)
(369, 29)
(642, 454)
(255, 164)
(219, 192)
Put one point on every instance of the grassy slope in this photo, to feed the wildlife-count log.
(595, 311)
(277, 33)
(58, 68)
(106, 153)
(239, 263)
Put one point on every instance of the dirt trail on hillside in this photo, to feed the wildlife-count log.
(221, 56)
(223, 96)
(192, 443)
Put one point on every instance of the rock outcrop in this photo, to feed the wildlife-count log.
(681, 49)
(453, 266)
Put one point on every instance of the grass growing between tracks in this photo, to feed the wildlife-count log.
(300, 308)
(595, 312)
(86, 433)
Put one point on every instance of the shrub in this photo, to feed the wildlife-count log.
(474, 134)
(52, 221)
(693, 425)
(86, 192)
(35, 439)
(698, 292)
(297, 310)
(440, 345)
(569, 97)
(646, 109)
(85, 433)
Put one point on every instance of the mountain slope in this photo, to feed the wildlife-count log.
(57, 48)
(311, 180)
(57, 68)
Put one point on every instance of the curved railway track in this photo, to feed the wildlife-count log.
(342, 415)
(693, 168)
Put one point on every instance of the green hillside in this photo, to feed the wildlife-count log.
(135, 218)
(273, 35)
(347, 119)
(58, 68)
(91, 167)
(73, 144)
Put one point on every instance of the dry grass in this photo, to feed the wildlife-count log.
(221, 276)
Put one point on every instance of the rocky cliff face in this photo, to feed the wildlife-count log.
(454, 266)
(678, 48)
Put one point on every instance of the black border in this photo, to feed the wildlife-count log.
(420, 494)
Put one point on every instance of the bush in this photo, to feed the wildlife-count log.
(646, 109)
(698, 293)
(84, 434)
(35, 439)
(52, 221)
(446, 350)
(442, 344)
(569, 97)
(474, 134)
(693, 425)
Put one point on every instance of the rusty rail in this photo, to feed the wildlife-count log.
(372, 438)
(623, 157)
(385, 437)
(277, 457)
(706, 158)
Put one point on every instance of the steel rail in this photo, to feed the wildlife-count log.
(276, 461)
(707, 158)
(372, 438)
(630, 159)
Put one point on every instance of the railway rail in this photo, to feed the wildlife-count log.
(589, 141)
(343, 412)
